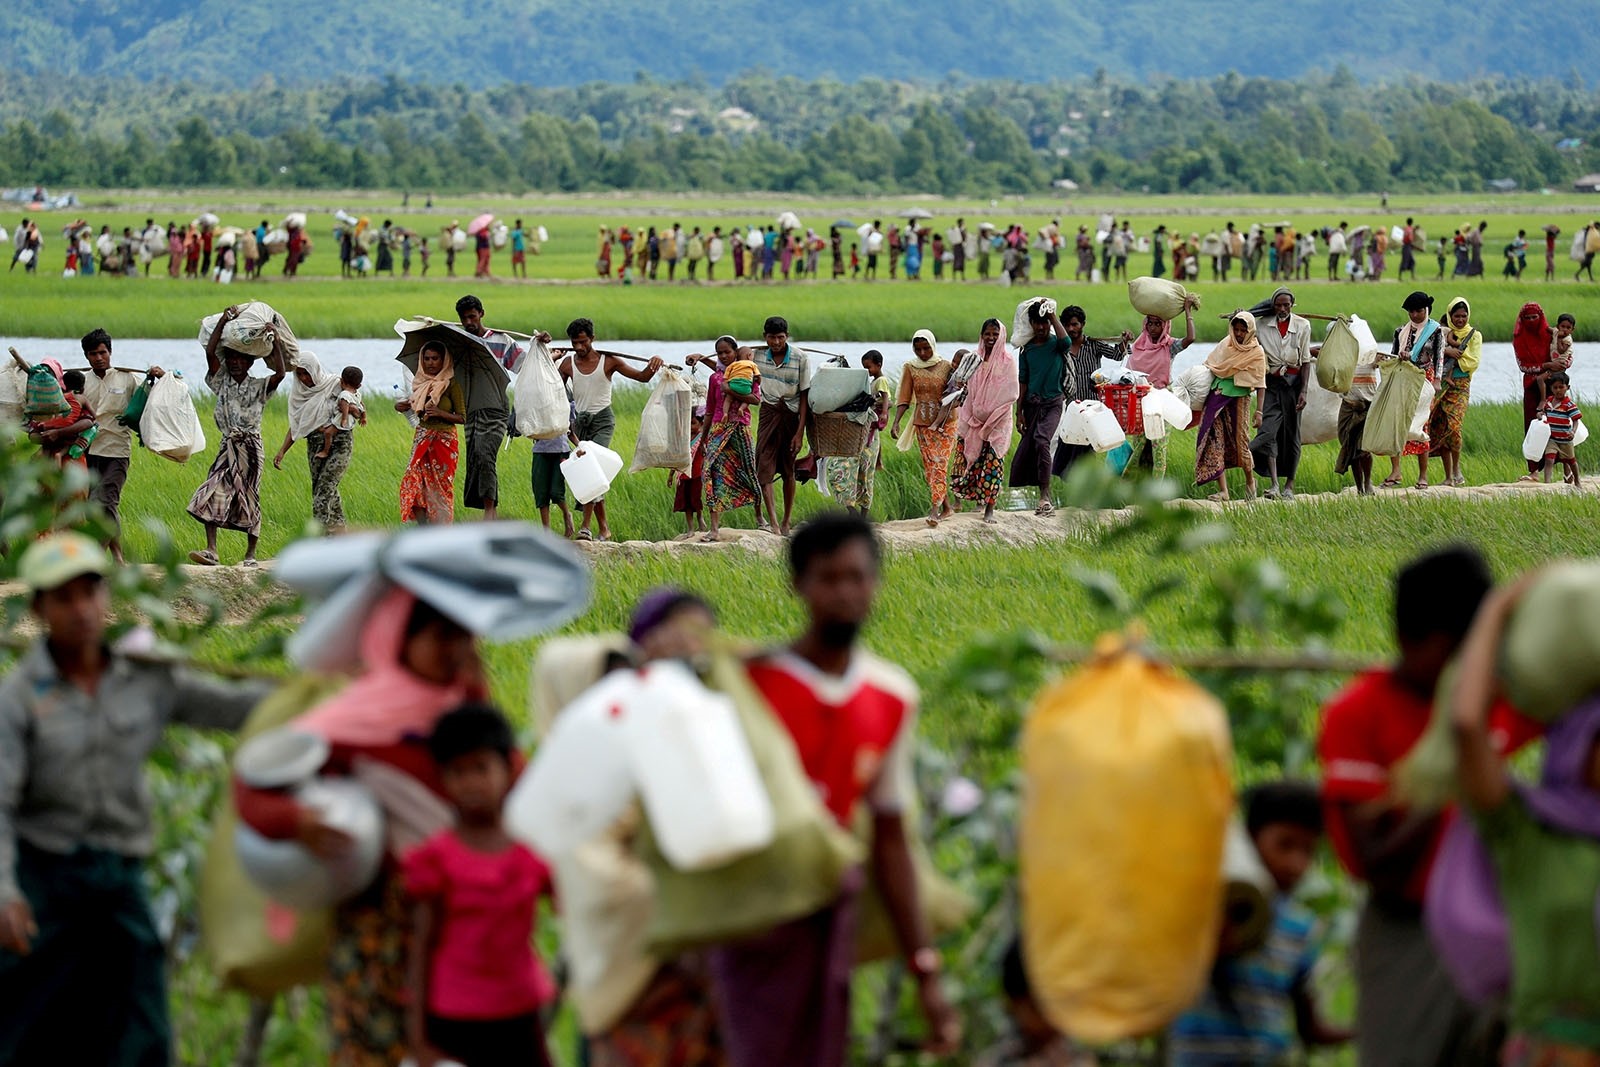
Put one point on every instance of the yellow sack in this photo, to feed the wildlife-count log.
(1126, 806)
(246, 953)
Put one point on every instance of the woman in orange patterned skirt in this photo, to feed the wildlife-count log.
(922, 387)
(428, 488)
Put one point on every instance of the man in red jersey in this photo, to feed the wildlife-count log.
(1408, 1013)
(785, 996)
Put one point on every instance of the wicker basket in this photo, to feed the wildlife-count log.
(834, 434)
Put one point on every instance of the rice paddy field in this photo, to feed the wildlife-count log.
(320, 304)
(1316, 573)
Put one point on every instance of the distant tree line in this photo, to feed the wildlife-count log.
(1326, 133)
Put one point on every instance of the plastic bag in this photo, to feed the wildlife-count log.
(1389, 420)
(1336, 364)
(834, 387)
(798, 874)
(1560, 610)
(1465, 915)
(1319, 419)
(1160, 297)
(170, 426)
(665, 439)
(1021, 327)
(540, 396)
(13, 392)
(1192, 387)
(1126, 805)
(252, 944)
(1417, 432)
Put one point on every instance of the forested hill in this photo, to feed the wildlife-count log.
(561, 42)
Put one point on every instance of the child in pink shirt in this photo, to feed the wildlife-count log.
(475, 982)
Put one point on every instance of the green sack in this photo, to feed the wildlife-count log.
(798, 874)
(1336, 363)
(1389, 420)
(945, 908)
(43, 398)
(244, 951)
(135, 410)
(1426, 778)
(1550, 654)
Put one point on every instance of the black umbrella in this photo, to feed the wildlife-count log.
(470, 353)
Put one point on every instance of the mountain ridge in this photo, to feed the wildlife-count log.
(552, 42)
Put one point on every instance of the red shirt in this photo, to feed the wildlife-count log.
(1367, 728)
(846, 729)
(483, 964)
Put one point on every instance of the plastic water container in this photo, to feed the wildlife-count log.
(1155, 427)
(581, 779)
(589, 471)
(697, 777)
(1168, 409)
(1533, 445)
(1074, 429)
(411, 416)
(1580, 433)
(1101, 427)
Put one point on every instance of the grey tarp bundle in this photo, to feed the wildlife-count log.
(502, 581)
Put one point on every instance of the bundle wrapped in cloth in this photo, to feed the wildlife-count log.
(740, 377)
(253, 331)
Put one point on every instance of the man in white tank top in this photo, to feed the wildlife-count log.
(590, 374)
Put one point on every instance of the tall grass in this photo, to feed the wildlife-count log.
(817, 312)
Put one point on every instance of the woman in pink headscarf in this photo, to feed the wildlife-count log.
(985, 420)
(418, 666)
(1152, 353)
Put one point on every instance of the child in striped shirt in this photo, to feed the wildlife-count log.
(1563, 417)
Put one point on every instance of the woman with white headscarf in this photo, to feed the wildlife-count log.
(922, 387)
(313, 397)
(1239, 365)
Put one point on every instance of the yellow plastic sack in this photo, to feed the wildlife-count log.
(1126, 806)
(800, 873)
(246, 952)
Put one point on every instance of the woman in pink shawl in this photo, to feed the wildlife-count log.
(1152, 354)
(985, 419)
(418, 665)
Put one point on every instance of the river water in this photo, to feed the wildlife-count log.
(1497, 379)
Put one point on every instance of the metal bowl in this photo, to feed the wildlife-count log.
(290, 874)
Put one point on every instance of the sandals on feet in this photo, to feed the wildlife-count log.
(1044, 509)
(1389, 483)
(203, 557)
(585, 535)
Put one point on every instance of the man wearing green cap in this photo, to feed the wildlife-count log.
(81, 964)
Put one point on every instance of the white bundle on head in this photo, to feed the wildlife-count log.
(1022, 322)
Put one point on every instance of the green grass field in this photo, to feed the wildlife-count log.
(319, 305)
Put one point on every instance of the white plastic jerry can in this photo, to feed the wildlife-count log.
(1103, 429)
(1533, 445)
(696, 775)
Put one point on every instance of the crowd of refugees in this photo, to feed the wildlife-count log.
(911, 250)
(983, 421)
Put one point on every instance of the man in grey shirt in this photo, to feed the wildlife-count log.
(81, 964)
